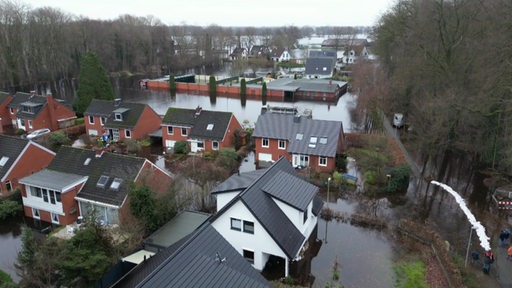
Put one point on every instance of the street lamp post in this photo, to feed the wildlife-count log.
(328, 184)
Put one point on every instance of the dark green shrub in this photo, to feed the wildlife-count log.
(181, 147)
(370, 177)
(58, 138)
(79, 121)
(213, 90)
(399, 179)
(9, 208)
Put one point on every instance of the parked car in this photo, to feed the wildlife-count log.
(37, 133)
(398, 120)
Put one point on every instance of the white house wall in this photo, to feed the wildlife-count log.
(297, 217)
(260, 242)
(225, 198)
(38, 203)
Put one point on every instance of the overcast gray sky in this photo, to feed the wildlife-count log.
(230, 12)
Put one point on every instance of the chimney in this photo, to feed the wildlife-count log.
(117, 102)
(264, 109)
(198, 111)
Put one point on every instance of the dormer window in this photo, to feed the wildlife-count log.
(299, 136)
(118, 113)
(102, 181)
(3, 160)
(323, 140)
(116, 183)
(209, 127)
(118, 116)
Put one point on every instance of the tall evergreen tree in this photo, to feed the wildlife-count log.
(172, 85)
(93, 84)
(264, 94)
(243, 92)
(213, 89)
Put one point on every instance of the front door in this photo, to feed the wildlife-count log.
(300, 160)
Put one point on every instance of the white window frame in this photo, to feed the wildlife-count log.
(170, 130)
(34, 210)
(8, 185)
(30, 124)
(11, 110)
(91, 119)
(250, 260)
(215, 145)
(263, 140)
(320, 161)
(128, 133)
(103, 120)
(281, 144)
(183, 129)
(53, 216)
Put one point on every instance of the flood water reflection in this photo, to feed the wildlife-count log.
(10, 240)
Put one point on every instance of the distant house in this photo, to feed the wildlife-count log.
(267, 214)
(80, 182)
(280, 55)
(5, 118)
(204, 130)
(304, 141)
(32, 112)
(319, 67)
(239, 54)
(201, 259)
(353, 48)
(120, 120)
(259, 51)
(20, 158)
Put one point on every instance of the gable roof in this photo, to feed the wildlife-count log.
(131, 112)
(286, 126)
(238, 181)
(199, 122)
(10, 147)
(290, 189)
(37, 102)
(123, 167)
(3, 96)
(203, 259)
(320, 65)
(267, 212)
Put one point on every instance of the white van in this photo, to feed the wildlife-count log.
(398, 120)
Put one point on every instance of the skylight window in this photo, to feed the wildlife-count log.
(87, 161)
(299, 136)
(209, 127)
(3, 160)
(102, 181)
(312, 142)
(116, 183)
(323, 140)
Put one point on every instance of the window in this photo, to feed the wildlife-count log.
(248, 227)
(323, 140)
(57, 196)
(29, 123)
(11, 110)
(8, 185)
(322, 161)
(282, 144)
(299, 136)
(3, 160)
(312, 142)
(305, 216)
(103, 120)
(55, 218)
(215, 145)
(209, 127)
(170, 130)
(264, 142)
(35, 191)
(116, 183)
(118, 117)
(200, 145)
(91, 119)
(35, 213)
(128, 133)
(249, 256)
(102, 181)
(52, 197)
(236, 224)
(183, 131)
(45, 195)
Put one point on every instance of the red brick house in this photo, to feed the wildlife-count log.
(31, 112)
(120, 120)
(79, 181)
(204, 130)
(305, 142)
(19, 158)
(5, 118)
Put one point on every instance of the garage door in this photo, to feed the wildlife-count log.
(265, 157)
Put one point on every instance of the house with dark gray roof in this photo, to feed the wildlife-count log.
(203, 130)
(305, 142)
(267, 214)
(80, 181)
(30, 112)
(120, 120)
(19, 158)
(201, 259)
(319, 67)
